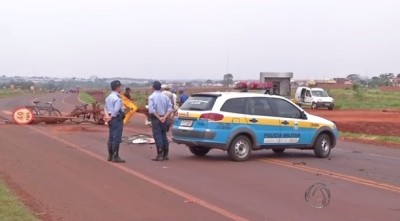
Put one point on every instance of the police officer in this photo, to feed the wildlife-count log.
(160, 108)
(116, 115)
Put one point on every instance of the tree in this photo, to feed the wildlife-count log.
(354, 78)
(228, 80)
(209, 81)
(51, 85)
(386, 79)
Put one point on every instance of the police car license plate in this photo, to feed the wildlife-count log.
(327, 104)
(186, 123)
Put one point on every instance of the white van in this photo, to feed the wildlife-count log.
(313, 97)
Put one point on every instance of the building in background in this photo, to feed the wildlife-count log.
(280, 82)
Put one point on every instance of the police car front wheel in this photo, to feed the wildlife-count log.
(240, 148)
(322, 146)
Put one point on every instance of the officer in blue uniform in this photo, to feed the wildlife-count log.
(160, 108)
(116, 115)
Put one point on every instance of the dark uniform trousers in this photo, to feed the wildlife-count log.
(160, 136)
(115, 126)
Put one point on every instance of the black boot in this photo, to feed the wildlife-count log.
(110, 152)
(159, 156)
(115, 157)
(165, 155)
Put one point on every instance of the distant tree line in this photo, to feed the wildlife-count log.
(24, 85)
(385, 79)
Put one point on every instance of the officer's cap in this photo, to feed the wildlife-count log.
(157, 85)
(115, 84)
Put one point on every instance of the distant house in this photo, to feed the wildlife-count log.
(396, 82)
(93, 78)
(324, 82)
(330, 84)
(340, 80)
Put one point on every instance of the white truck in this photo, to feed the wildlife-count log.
(314, 98)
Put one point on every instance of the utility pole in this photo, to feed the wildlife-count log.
(227, 62)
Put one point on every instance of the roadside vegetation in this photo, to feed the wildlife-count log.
(363, 98)
(357, 97)
(140, 98)
(11, 209)
(369, 137)
(86, 97)
(10, 93)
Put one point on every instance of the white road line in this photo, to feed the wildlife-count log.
(381, 156)
(187, 196)
(63, 100)
(7, 112)
(40, 98)
(369, 154)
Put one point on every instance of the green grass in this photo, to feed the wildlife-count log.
(363, 98)
(389, 139)
(140, 98)
(10, 93)
(11, 209)
(86, 98)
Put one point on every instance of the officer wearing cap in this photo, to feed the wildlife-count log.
(160, 108)
(114, 110)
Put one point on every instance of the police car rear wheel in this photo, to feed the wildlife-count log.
(322, 147)
(240, 148)
(278, 150)
(199, 151)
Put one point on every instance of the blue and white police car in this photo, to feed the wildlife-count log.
(240, 123)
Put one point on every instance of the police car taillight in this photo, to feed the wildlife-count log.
(212, 116)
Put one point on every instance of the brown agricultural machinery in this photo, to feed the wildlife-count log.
(83, 114)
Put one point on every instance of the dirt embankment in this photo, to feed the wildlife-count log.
(386, 123)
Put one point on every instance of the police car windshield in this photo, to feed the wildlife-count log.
(319, 94)
(199, 103)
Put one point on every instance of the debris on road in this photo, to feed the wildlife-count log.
(83, 114)
(75, 128)
(391, 111)
(300, 163)
(23, 116)
(5, 121)
(139, 139)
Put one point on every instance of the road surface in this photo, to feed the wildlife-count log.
(60, 172)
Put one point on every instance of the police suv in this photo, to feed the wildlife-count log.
(242, 122)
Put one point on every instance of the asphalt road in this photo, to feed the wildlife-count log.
(61, 173)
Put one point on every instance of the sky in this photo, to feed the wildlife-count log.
(199, 39)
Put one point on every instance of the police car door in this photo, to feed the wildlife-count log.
(294, 129)
(261, 119)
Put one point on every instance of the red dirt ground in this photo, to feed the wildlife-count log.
(385, 123)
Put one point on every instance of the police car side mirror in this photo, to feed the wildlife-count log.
(303, 115)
